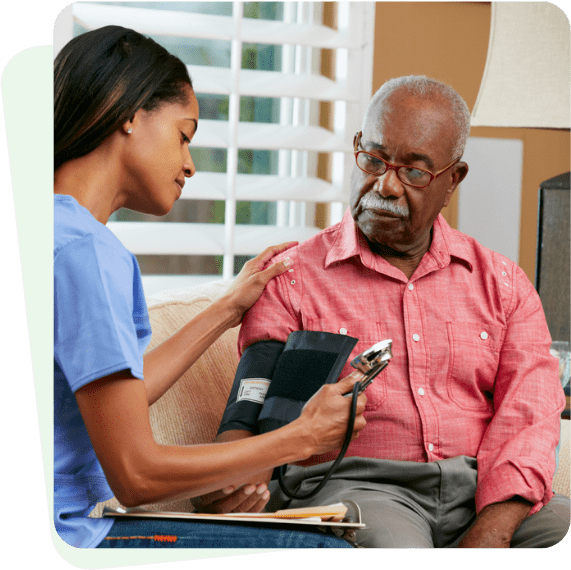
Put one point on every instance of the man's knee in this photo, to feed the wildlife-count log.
(545, 528)
(393, 524)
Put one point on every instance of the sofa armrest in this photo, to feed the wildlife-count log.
(561, 480)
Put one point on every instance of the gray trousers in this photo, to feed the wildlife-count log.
(414, 505)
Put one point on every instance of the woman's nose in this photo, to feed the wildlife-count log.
(188, 166)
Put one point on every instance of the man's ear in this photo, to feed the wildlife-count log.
(458, 174)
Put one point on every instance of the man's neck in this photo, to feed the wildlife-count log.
(406, 261)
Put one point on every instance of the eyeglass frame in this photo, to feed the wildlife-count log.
(396, 167)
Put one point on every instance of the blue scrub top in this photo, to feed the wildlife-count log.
(101, 326)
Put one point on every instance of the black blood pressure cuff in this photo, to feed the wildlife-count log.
(251, 382)
(274, 381)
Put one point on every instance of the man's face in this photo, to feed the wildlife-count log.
(403, 129)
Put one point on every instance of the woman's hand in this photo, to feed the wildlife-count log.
(327, 415)
(251, 281)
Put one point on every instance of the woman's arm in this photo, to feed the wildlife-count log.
(250, 497)
(140, 471)
(166, 363)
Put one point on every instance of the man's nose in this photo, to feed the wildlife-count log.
(388, 184)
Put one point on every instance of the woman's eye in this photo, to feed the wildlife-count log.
(185, 138)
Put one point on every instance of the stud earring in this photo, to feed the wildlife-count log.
(129, 131)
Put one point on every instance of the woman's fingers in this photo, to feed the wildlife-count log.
(262, 258)
(275, 269)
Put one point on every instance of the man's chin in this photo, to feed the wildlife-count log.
(378, 226)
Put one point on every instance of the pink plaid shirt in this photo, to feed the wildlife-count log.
(471, 374)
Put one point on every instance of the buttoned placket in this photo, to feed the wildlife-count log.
(418, 366)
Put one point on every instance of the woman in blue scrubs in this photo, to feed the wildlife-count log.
(124, 115)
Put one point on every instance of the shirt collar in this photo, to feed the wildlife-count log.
(349, 242)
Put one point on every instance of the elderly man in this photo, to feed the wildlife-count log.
(462, 427)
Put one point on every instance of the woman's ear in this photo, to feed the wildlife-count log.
(127, 127)
(130, 125)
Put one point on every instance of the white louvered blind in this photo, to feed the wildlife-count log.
(291, 81)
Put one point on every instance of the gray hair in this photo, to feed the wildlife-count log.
(426, 87)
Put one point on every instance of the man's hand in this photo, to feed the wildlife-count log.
(248, 498)
(495, 525)
(324, 419)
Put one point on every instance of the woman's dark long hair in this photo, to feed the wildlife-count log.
(101, 78)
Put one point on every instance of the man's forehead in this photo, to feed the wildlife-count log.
(402, 105)
(408, 119)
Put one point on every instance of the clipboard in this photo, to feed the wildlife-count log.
(329, 518)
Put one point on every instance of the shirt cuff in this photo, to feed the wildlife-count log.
(510, 478)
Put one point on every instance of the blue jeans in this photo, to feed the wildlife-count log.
(159, 533)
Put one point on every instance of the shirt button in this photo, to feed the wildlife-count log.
(343, 331)
(416, 337)
(421, 391)
(290, 270)
(430, 447)
(484, 335)
(410, 286)
(293, 281)
(504, 273)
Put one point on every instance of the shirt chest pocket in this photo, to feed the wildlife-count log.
(368, 333)
(474, 352)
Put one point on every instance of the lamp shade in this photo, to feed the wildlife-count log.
(527, 73)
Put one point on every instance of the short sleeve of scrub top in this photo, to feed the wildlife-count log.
(101, 323)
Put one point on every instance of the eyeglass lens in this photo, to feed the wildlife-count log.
(407, 174)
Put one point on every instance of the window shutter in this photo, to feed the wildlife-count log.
(297, 137)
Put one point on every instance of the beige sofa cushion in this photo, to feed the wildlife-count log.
(198, 399)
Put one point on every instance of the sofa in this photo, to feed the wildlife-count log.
(190, 412)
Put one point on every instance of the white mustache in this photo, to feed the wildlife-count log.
(371, 200)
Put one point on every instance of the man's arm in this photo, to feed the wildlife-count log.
(166, 363)
(496, 524)
(516, 457)
(271, 318)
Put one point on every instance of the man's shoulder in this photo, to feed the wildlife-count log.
(468, 247)
(312, 249)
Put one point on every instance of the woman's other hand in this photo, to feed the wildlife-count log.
(251, 281)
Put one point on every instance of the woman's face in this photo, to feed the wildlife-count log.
(156, 156)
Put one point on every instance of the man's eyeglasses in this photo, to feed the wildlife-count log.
(375, 165)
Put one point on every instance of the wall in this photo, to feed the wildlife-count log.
(449, 41)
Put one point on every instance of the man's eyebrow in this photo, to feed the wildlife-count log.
(414, 156)
(410, 157)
